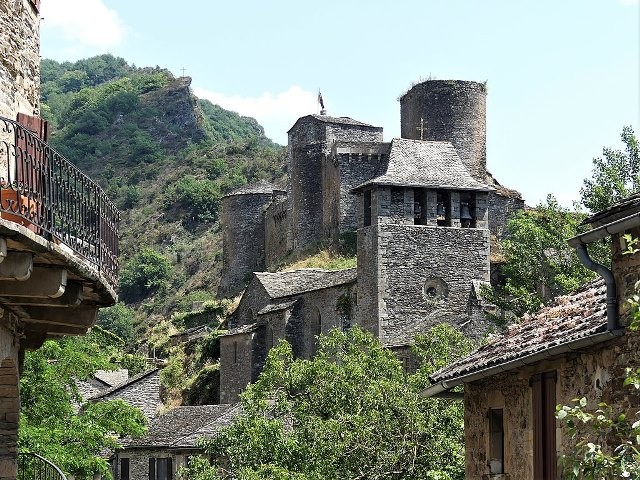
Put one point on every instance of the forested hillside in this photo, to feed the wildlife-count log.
(166, 158)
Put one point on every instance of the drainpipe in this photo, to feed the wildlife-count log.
(605, 273)
(580, 243)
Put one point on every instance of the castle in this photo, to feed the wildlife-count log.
(426, 212)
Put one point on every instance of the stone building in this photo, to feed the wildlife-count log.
(423, 240)
(170, 440)
(579, 346)
(296, 306)
(142, 391)
(424, 209)
(56, 269)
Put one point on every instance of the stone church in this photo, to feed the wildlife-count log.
(425, 211)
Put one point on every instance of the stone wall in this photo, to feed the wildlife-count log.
(348, 166)
(450, 110)
(143, 394)
(596, 374)
(277, 243)
(626, 270)
(20, 59)
(236, 365)
(139, 461)
(253, 300)
(9, 396)
(501, 207)
(318, 183)
(243, 240)
(420, 276)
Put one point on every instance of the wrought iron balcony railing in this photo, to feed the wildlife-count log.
(32, 466)
(43, 191)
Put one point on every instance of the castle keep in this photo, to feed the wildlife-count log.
(424, 207)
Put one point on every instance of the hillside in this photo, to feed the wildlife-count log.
(166, 158)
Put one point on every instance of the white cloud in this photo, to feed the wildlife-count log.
(276, 112)
(86, 22)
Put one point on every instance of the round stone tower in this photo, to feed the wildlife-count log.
(243, 236)
(449, 110)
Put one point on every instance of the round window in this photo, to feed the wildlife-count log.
(435, 290)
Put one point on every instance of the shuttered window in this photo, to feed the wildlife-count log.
(124, 469)
(543, 397)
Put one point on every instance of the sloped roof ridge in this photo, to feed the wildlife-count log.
(295, 282)
(567, 319)
(425, 163)
(134, 379)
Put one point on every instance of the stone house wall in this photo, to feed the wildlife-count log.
(139, 461)
(452, 111)
(243, 217)
(625, 269)
(20, 59)
(596, 374)
(143, 394)
(253, 300)
(237, 364)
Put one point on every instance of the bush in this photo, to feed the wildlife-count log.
(146, 273)
(119, 320)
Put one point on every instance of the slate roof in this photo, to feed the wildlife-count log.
(129, 382)
(295, 282)
(252, 327)
(419, 163)
(182, 427)
(277, 307)
(112, 378)
(566, 320)
(335, 120)
(626, 206)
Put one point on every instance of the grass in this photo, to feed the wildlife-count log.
(325, 259)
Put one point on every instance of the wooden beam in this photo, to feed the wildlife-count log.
(16, 266)
(83, 316)
(72, 297)
(43, 283)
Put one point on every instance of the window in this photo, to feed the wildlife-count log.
(235, 352)
(124, 469)
(543, 400)
(367, 208)
(496, 441)
(160, 469)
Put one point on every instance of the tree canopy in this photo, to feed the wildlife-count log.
(350, 413)
(615, 175)
(50, 424)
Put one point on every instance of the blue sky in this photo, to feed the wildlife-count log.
(563, 75)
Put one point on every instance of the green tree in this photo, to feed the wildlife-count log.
(538, 262)
(49, 422)
(119, 320)
(146, 273)
(350, 413)
(615, 175)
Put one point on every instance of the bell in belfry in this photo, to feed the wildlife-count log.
(465, 215)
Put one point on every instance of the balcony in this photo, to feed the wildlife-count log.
(58, 240)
